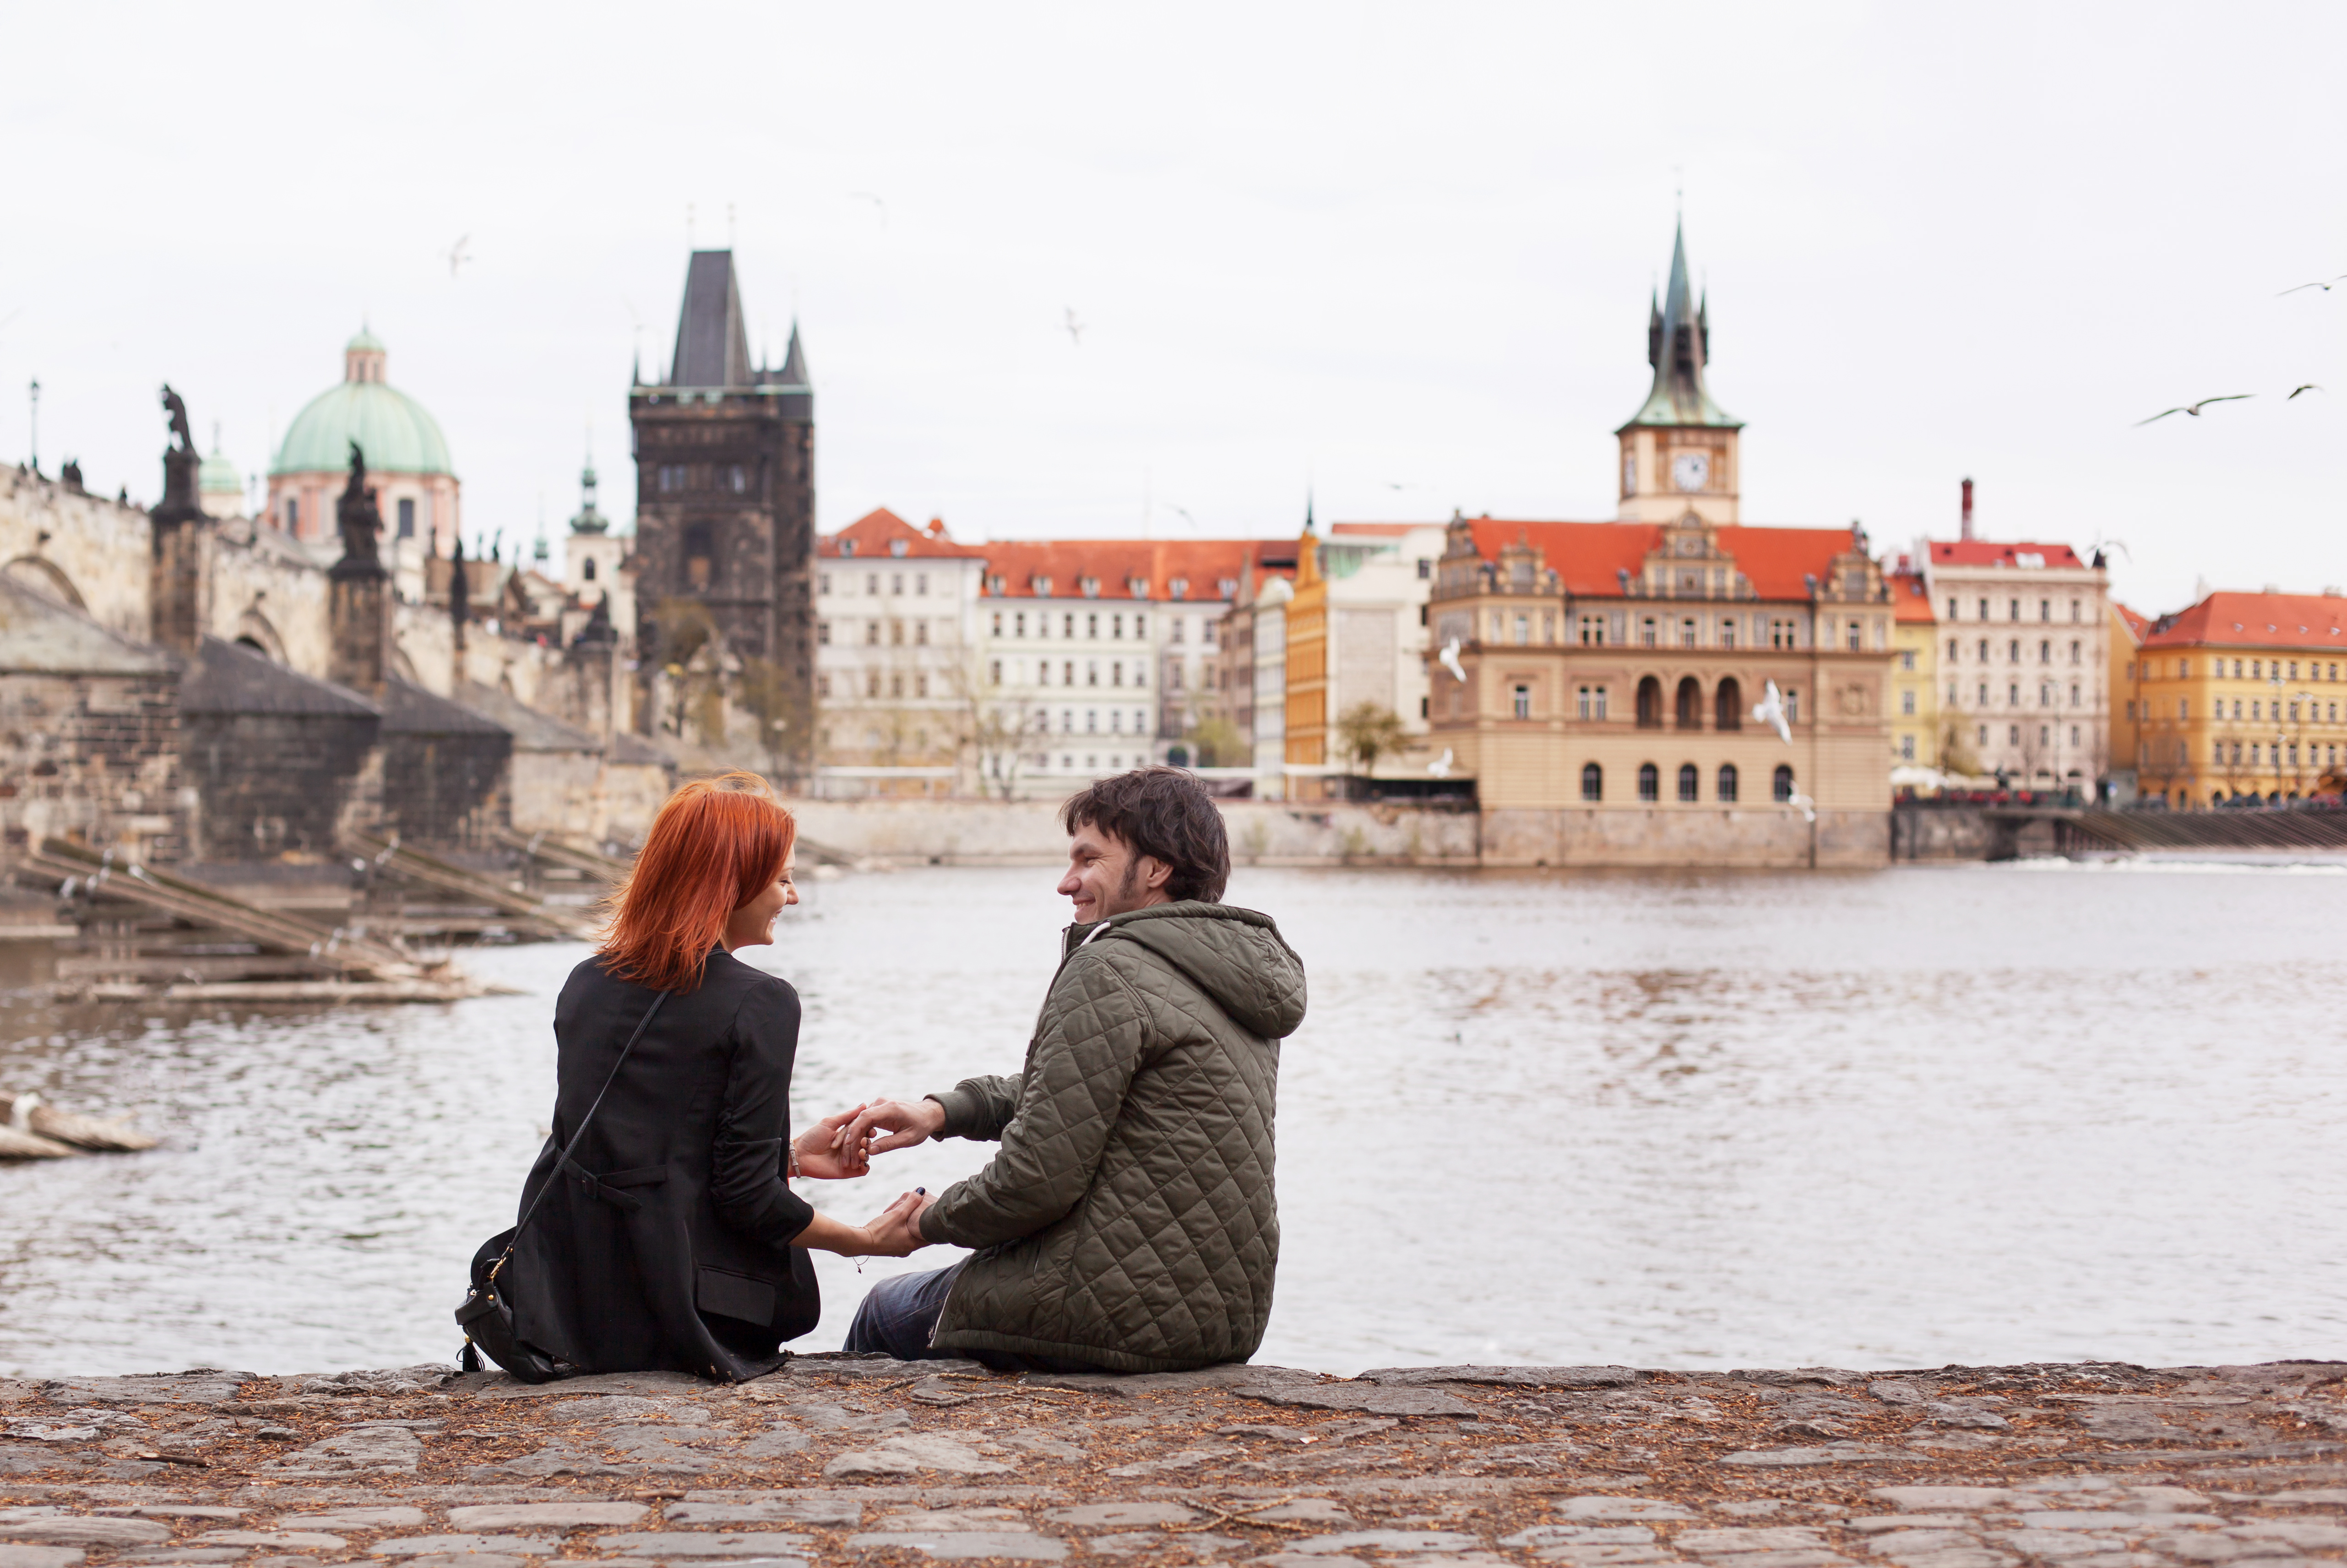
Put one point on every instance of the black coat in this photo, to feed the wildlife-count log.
(666, 1246)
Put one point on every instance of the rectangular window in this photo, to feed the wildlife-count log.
(1522, 695)
(1174, 633)
(1581, 702)
(1523, 629)
(1907, 703)
(1906, 748)
(1793, 709)
(1687, 632)
(1601, 701)
(1906, 659)
(994, 672)
(1951, 609)
(823, 633)
(407, 518)
(1728, 632)
(1646, 632)
(921, 583)
(872, 633)
(1856, 632)
(1116, 626)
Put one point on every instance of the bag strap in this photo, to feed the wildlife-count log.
(555, 1174)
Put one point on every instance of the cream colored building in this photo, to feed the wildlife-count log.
(2025, 668)
(1915, 672)
(898, 680)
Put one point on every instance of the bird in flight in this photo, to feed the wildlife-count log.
(1075, 328)
(1449, 657)
(2310, 386)
(2324, 285)
(868, 195)
(1183, 513)
(1770, 710)
(456, 256)
(1441, 766)
(2194, 408)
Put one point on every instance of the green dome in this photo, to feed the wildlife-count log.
(392, 429)
(219, 476)
(365, 342)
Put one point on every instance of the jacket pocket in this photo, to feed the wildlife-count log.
(725, 1293)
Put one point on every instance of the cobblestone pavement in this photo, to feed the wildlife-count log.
(845, 1460)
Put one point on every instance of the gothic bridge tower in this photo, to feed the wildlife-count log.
(725, 494)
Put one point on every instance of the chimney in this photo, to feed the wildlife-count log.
(358, 591)
(1967, 509)
(174, 568)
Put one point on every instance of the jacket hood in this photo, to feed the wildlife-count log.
(1236, 956)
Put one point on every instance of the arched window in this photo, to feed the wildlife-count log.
(1690, 783)
(1783, 785)
(2044, 651)
(1650, 704)
(1593, 782)
(1728, 783)
(587, 569)
(1690, 703)
(1650, 783)
(1727, 705)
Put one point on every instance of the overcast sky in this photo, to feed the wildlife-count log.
(1399, 254)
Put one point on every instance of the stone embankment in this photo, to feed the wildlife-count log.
(844, 1460)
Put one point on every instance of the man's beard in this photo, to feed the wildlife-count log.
(1127, 889)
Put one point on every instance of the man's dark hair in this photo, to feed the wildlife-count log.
(1165, 814)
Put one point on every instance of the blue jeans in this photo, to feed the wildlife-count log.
(897, 1316)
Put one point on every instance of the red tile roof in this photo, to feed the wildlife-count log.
(1380, 530)
(2136, 621)
(1588, 557)
(1981, 552)
(877, 533)
(1913, 604)
(1128, 569)
(2256, 621)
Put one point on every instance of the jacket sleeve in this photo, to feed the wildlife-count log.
(745, 1168)
(979, 1108)
(1068, 1099)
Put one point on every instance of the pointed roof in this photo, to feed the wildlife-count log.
(793, 372)
(1678, 345)
(712, 347)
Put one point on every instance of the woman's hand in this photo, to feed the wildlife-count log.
(828, 1153)
(892, 1232)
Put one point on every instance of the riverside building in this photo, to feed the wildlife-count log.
(1357, 641)
(1608, 673)
(1915, 690)
(2239, 698)
(901, 696)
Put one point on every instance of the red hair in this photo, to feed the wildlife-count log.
(716, 845)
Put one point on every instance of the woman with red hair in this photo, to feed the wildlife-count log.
(668, 1239)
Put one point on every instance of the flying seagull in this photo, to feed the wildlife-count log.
(1075, 328)
(2194, 408)
(2310, 386)
(1441, 766)
(2324, 286)
(1449, 657)
(457, 257)
(1183, 513)
(1804, 805)
(1771, 711)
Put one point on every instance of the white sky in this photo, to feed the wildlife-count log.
(1353, 246)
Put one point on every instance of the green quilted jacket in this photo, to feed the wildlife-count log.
(1128, 1219)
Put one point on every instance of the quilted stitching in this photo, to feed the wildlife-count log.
(1129, 1218)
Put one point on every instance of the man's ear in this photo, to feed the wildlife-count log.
(1158, 874)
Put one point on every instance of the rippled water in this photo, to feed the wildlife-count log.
(1921, 1116)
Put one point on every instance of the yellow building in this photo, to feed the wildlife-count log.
(2239, 696)
(2126, 629)
(1308, 660)
(1915, 672)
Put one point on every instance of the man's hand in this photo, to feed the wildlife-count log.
(895, 1231)
(903, 1124)
(823, 1153)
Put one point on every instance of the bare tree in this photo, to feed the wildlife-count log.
(1368, 730)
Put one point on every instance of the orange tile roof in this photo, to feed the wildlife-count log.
(2136, 621)
(1202, 565)
(877, 533)
(2256, 621)
(1380, 530)
(1982, 552)
(1588, 557)
(1913, 603)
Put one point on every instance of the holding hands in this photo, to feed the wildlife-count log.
(840, 1146)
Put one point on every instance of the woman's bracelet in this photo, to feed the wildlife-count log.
(790, 1155)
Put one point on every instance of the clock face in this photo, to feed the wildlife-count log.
(1691, 470)
(1629, 475)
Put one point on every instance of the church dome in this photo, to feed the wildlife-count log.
(394, 431)
(218, 477)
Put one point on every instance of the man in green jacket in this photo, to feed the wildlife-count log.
(1128, 1222)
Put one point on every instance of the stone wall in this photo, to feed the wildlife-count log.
(1686, 836)
(320, 775)
(1269, 833)
(93, 757)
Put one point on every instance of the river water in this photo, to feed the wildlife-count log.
(1986, 1113)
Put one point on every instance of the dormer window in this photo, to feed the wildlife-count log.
(1179, 587)
(1089, 586)
(1229, 586)
(1137, 587)
(898, 546)
(847, 546)
(994, 585)
(1042, 585)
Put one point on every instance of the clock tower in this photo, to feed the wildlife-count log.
(1679, 451)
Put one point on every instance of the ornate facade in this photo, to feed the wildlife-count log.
(1606, 684)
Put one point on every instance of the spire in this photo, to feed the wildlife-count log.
(793, 372)
(1678, 346)
(1307, 549)
(588, 520)
(712, 347)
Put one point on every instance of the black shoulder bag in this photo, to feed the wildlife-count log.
(485, 1317)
